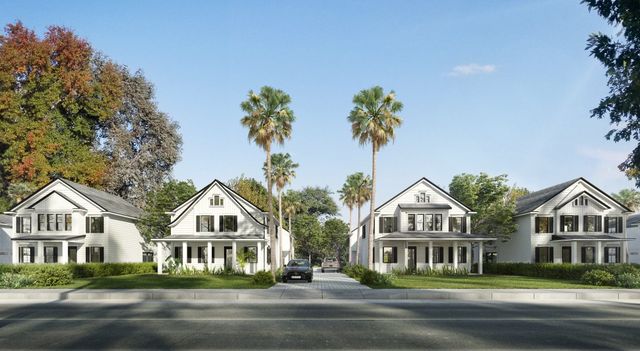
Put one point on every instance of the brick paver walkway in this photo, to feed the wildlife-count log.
(324, 281)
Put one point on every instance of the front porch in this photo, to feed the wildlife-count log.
(588, 249)
(213, 252)
(422, 251)
(49, 249)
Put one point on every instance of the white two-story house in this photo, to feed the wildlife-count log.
(421, 227)
(66, 222)
(571, 222)
(213, 226)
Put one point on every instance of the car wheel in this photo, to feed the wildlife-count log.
(284, 280)
(322, 270)
(309, 281)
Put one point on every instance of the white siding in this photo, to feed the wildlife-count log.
(519, 247)
(6, 248)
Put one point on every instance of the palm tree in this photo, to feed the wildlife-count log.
(283, 170)
(362, 193)
(629, 198)
(374, 120)
(269, 119)
(347, 196)
(292, 205)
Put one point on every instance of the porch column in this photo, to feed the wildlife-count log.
(159, 256)
(480, 256)
(468, 264)
(185, 258)
(599, 252)
(379, 256)
(625, 252)
(209, 255)
(15, 251)
(233, 254)
(65, 252)
(259, 257)
(40, 253)
(431, 255)
(455, 255)
(406, 255)
(574, 252)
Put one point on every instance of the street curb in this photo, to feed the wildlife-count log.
(38, 295)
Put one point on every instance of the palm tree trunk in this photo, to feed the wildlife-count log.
(272, 231)
(281, 226)
(358, 235)
(350, 230)
(291, 240)
(372, 219)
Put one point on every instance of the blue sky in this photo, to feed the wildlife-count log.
(488, 86)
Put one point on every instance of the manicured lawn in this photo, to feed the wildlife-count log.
(482, 282)
(154, 281)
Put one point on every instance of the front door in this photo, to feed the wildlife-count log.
(73, 254)
(228, 256)
(412, 259)
(566, 254)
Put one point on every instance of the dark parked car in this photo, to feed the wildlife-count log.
(297, 270)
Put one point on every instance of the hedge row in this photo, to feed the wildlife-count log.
(555, 270)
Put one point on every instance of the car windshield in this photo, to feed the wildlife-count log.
(298, 263)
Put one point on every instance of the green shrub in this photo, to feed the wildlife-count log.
(556, 271)
(92, 270)
(15, 280)
(370, 277)
(628, 280)
(598, 277)
(263, 278)
(354, 271)
(279, 273)
(49, 275)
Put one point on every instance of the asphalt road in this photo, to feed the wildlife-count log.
(321, 325)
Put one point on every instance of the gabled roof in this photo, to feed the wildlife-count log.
(580, 194)
(200, 194)
(633, 220)
(59, 194)
(431, 184)
(103, 200)
(5, 220)
(530, 202)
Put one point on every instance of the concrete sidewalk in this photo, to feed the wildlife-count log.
(49, 295)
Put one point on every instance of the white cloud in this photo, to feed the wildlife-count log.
(471, 69)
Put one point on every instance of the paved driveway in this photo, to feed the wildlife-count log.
(323, 281)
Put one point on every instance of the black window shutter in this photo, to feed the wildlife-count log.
(562, 223)
(87, 225)
(537, 224)
(584, 222)
(606, 224)
(235, 223)
(464, 224)
(55, 254)
(395, 224)
(373, 254)
(598, 223)
(32, 258)
(395, 254)
(606, 255)
(189, 254)
(450, 254)
(441, 249)
(617, 255)
(576, 224)
(619, 224)
(550, 225)
(197, 223)
(450, 224)
(382, 230)
(101, 254)
(221, 223)
(537, 255)
(87, 255)
(426, 254)
(583, 258)
(551, 254)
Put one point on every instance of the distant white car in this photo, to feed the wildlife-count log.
(330, 264)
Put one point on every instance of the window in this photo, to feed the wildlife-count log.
(268, 254)
(588, 254)
(387, 224)
(27, 254)
(67, 222)
(251, 254)
(95, 254)
(59, 222)
(438, 222)
(544, 254)
(569, 223)
(429, 222)
(204, 223)
(581, 201)
(438, 254)
(73, 254)
(613, 224)
(364, 231)
(50, 254)
(544, 224)
(202, 254)
(51, 222)
(94, 225)
(419, 222)
(147, 256)
(23, 225)
(462, 254)
(177, 253)
(455, 224)
(422, 198)
(228, 223)
(592, 223)
(216, 201)
(411, 222)
(611, 255)
(389, 254)
(42, 222)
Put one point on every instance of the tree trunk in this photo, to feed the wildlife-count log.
(281, 226)
(358, 235)
(291, 240)
(350, 229)
(272, 231)
(372, 219)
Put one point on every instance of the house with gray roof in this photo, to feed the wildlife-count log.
(421, 227)
(633, 233)
(570, 222)
(65, 222)
(5, 238)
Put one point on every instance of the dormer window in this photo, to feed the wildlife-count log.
(422, 198)
(581, 201)
(216, 201)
